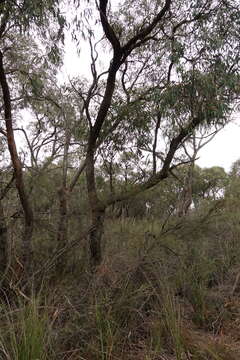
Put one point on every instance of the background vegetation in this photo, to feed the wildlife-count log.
(114, 244)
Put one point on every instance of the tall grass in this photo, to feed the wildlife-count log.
(172, 319)
(24, 331)
(107, 330)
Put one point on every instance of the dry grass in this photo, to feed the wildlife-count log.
(177, 301)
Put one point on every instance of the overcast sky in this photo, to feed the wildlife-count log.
(222, 151)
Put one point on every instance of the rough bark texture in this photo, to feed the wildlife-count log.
(97, 215)
(95, 237)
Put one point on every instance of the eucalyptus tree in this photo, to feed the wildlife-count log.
(179, 60)
(232, 191)
(54, 143)
(212, 183)
(191, 149)
(17, 19)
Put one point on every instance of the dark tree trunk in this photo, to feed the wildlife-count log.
(62, 233)
(159, 117)
(95, 237)
(97, 214)
(3, 242)
(18, 174)
(120, 54)
(62, 236)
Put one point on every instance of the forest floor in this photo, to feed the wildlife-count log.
(160, 294)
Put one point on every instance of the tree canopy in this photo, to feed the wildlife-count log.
(160, 73)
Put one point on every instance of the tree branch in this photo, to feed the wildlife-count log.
(140, 37)
(164, 172)
(108, 30)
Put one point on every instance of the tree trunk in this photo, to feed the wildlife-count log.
(95, 237)
(3, 242)
(159, 117)
(186, 194)
(62, 234)
(18, 174)
(185, 200)
(97, 209)
(62, 237)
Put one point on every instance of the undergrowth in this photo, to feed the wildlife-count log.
(167, 295)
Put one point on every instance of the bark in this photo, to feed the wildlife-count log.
(62, 236)
(97, 214)
(111, 187)
(119, 56)
(18, 172)
(3, 241)
(4, 238)
(95, 237)
(155, 143)
(96, 206)
(166, 167)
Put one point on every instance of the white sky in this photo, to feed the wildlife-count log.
(222, 151)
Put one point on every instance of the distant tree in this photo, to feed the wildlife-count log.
(191, 149)
(232, 192)
(211, 183)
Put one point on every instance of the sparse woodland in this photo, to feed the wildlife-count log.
(114, 243)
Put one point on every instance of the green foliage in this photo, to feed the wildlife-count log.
(209, 183)
(25, 332)
(172, 321)
(159, 270)
(24, 15)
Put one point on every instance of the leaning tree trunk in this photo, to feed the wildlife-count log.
(18, 174)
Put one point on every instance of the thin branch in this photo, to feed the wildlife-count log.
(140, 38)
(164, 172)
